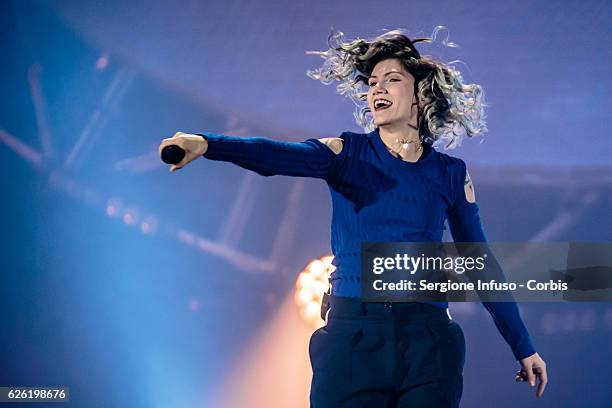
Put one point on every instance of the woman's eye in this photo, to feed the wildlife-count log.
(390, 80)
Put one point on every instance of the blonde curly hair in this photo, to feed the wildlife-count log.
(448, 108)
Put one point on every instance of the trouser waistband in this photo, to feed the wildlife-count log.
(352, 306)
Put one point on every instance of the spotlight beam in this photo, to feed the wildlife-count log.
(23, 150)
(40, 110)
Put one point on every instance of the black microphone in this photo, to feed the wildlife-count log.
(172, 154)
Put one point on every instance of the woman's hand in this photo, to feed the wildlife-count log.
(194, 146)
(533, 367)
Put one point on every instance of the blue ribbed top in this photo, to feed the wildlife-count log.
(377, 197)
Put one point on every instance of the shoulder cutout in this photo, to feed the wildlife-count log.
(334, 143)
(470, 194)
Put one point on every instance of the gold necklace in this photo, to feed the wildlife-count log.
(404, 145)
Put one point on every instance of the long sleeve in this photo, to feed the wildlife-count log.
(466, 226)
(269, 157)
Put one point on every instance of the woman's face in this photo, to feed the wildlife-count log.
(394, 86)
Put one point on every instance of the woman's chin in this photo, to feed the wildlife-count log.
(380, 122)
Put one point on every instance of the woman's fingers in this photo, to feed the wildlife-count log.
(193, 145)
(543, 376)
(185, 142)
(538, 371)
(188, 157)
(178, 166)
(174, 140)
(531, 379)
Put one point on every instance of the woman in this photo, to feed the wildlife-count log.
(389, 184)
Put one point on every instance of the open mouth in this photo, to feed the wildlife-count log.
(381, 104)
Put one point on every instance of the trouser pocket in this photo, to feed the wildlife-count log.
(450, 346)
(330, 350)
(450, 357)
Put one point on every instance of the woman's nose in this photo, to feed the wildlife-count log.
(378, 88)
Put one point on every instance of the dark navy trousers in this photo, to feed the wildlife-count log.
(386, 355)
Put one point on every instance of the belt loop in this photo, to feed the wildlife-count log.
(362, 308)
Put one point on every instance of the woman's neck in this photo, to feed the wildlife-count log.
(393, 136)
(393, 131)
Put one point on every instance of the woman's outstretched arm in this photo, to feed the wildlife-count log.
(466, 226)
(268, 157)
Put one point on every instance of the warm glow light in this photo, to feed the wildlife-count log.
(310, 286)
(149, 225)
(113, 207)
(111, 210)
(102, 62)
(130, 216)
